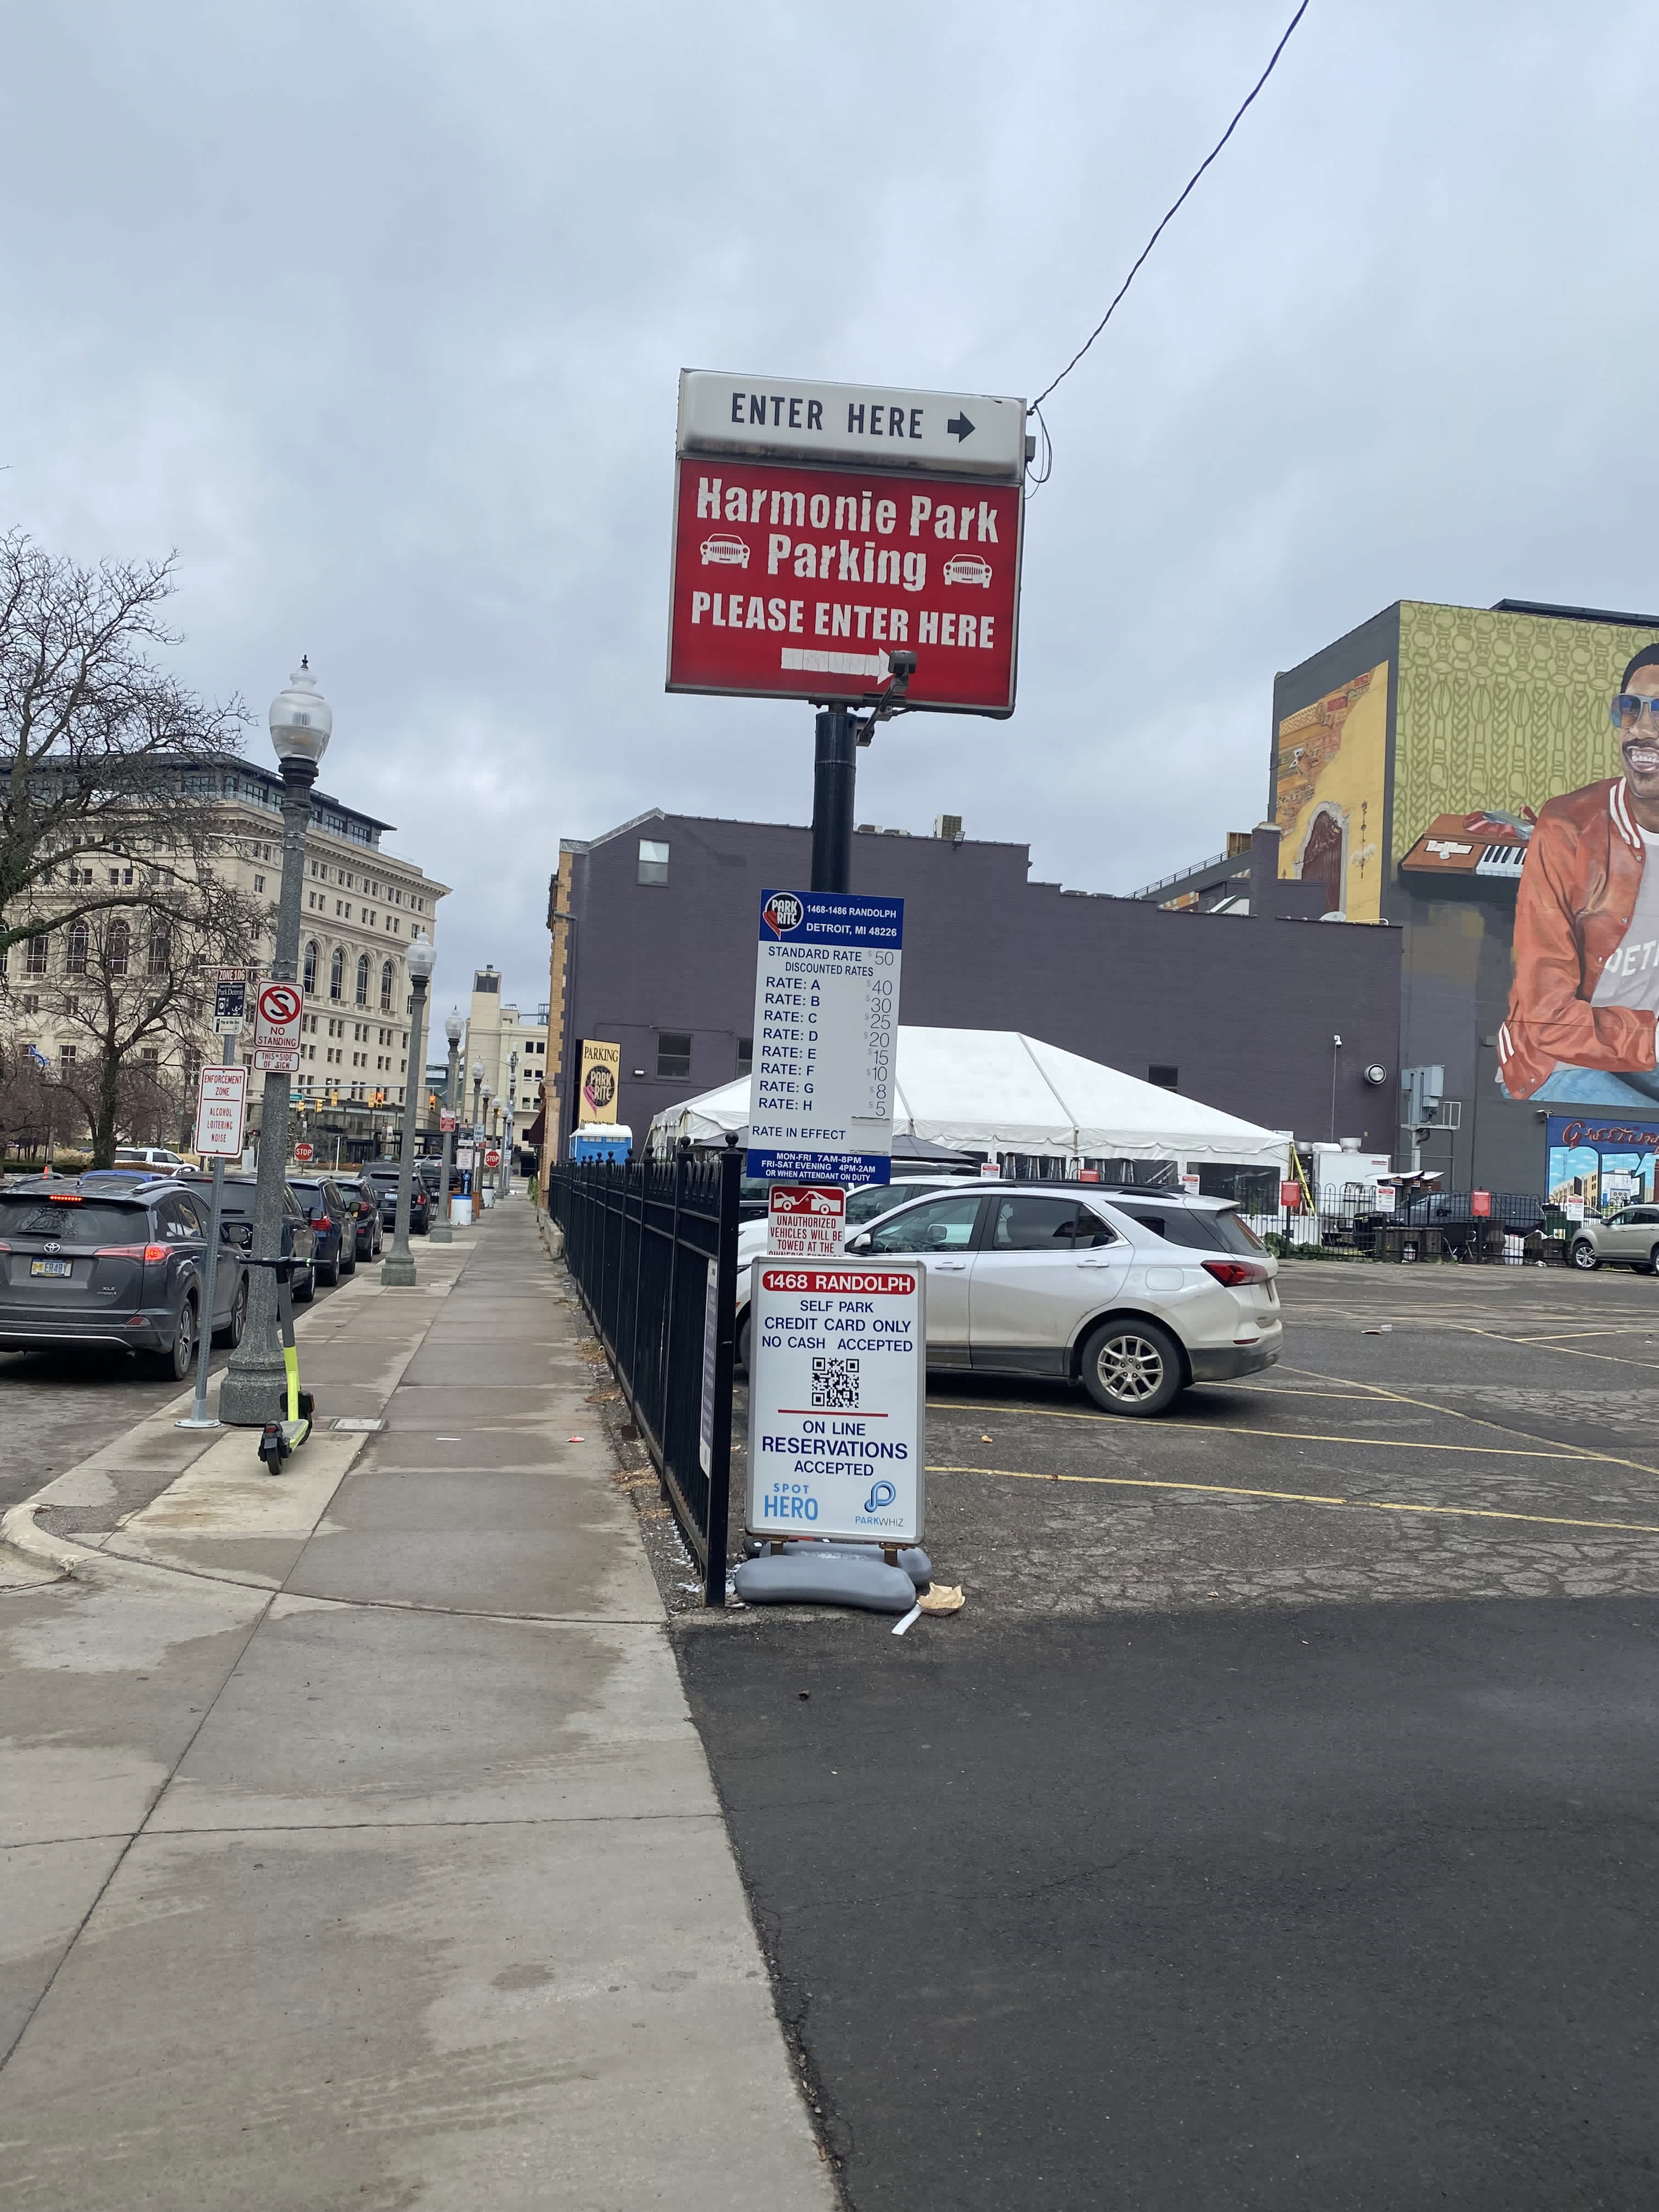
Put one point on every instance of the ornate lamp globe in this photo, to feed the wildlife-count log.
(301, 719)
(421, 958)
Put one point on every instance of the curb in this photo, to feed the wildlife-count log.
(20, 1532)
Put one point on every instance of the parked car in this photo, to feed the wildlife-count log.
(299, 1238)
(146, 1155)
(332, 1224)
(116, 1264)
(362, 1201)
(1135, 1297)
(383, 1174)
(1628, 1238)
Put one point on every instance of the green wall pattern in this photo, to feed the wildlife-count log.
(1499, 710)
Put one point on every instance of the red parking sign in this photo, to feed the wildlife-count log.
(799, 582)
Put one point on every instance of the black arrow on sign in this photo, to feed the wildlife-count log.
(960, 428)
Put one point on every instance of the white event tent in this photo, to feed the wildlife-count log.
(997, 1092)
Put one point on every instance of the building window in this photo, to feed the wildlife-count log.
(1167, 1078)
(363, 979)
(673, 1054)
(66, 1055)
(310, 981)
(78, 948)
(745, 1055)
(653, 861)
(337, 975)
(35, 963)
(159, 948)
(385, 987)
(117, 947)
(258, 882)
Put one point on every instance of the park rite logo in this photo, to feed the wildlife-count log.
(783, 912)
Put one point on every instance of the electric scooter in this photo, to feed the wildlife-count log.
(280, 1440)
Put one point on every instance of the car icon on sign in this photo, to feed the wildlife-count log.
(966, 568)
(732, 553)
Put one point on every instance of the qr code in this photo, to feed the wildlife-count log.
(834, 1385)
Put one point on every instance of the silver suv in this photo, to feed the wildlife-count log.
(1133, 1294)
(1629, 1238)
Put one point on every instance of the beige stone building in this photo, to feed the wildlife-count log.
(361, 905)
(494, 1031)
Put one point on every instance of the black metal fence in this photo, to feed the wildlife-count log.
(1510, 1229)
(652, 1247)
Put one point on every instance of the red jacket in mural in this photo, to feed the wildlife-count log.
(1577, 895)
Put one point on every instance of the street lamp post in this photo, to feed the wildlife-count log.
(477, 1142)
(510, 1138)
(443, 1230)
(483, 1146)
(397, 1268)
(254, 1389)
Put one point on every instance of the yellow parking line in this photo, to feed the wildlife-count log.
(1301, 1498)
(1295, 1436)
(1456, 1413)
(1572, 1351)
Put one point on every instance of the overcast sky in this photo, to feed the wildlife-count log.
(374, 312)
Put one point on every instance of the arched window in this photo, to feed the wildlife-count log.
(159, 948)
(117, 946)
(337, 975)
(385, 987)
(362, 980)
(78, 948)
(310, 983)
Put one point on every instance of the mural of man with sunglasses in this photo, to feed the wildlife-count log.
(1581, 1025)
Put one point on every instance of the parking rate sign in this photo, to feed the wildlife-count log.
(837, 1390)
(826, 1028)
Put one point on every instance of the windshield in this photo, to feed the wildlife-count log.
(73, 1221)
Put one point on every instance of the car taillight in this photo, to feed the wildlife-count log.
(152, 1252)
(1235, 1273)
(323, 1222)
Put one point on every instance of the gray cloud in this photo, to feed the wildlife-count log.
(375, 312)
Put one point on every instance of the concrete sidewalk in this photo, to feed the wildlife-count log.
(359, 1848)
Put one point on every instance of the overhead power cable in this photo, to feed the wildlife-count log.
(1173, 211)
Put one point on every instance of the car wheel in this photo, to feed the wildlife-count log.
(740, 1350)
(1133, 1367)
(329, 1273)
(1584, 1255)
(305, 1287)
(231, 1334)
(177, 1362)
(349, 1267)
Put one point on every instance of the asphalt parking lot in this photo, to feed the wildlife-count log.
(1275, 1826)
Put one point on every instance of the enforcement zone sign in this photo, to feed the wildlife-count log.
(837, 1393)
(826, 1016)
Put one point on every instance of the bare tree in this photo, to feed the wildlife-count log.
(128, 990)
(26, 1114)
(103, 757)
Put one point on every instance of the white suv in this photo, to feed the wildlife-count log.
(1134, 1293)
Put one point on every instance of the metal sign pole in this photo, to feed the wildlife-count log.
(199, 1416)
(834, 771)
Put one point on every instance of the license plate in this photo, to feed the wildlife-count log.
(51, 1267)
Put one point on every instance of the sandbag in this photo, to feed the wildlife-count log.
(914, 1560)
(816, 1575)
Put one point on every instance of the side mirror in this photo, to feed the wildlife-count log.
(860, 1242)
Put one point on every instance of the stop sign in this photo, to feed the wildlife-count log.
(302, 1152)
(492, 1157)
